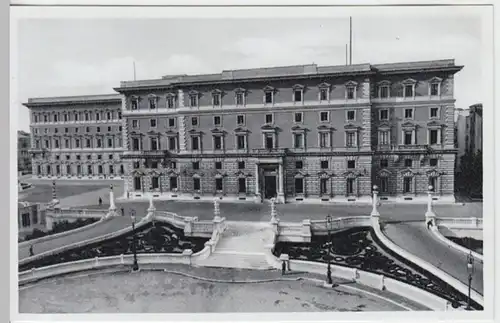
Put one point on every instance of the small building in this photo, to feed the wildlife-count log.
(30, 216)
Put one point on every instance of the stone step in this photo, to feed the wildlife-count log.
(233, 259)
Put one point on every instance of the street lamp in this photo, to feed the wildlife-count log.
(135, 266)
(328, 228)
(470, 271)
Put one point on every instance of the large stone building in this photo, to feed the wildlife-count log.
(76, 137)
(474, 129)
(23, 155)
(297, 133)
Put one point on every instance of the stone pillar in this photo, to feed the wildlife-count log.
(112, 206)
(375, 201)
(274, 214)
(281, 195)
(429, 215)
(257, 185)
(216, 210)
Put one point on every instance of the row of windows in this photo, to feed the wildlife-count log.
(219, 184)
(76, 130)
(408, 89)
(78, 157)
(26, 220)
(89, 168)
(79, 143)
(77, 116)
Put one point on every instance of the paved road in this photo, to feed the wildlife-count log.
(93, 232)
(416, 239)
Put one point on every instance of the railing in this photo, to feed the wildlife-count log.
(270, 151)
(321, 227)
(76, 213)
(460, 223)
(202, 227)
(173, 218)
(402, 147)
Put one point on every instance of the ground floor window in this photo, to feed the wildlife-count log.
(58, 169)
(111, 169)
(407, 184)
(173, 183)
(78, 169)
(137, 183)
(323, 186)
(384, 185)
(48, 169)
(99, 169)
(299, 186)
(25, 220)
(155, 182)
(433, 183)
(196, 184)
(242, 185)
(38, 169)
(68, 169)
(350, 186)
(122, 171)
(218, 184)
(89, 170)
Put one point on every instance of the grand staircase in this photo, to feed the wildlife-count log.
(242, 245)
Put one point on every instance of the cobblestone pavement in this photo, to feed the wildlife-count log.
(166, 292)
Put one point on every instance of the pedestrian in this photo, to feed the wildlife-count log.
(283, 268)
(100, 201)
(31, 251)
(123, 212)
(429, 224)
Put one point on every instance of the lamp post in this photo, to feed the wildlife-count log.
(135, 266)
(328, 228)
(470, 271)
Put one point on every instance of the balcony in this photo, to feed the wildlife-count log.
(147, 154)
(278, 152)
(422, 148)
(35, 151)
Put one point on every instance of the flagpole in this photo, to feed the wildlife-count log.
(350, 40)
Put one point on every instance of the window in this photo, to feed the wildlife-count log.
(99, 169)
(217, 120)
(196, 165)
(87, 129)
(384, 137)
(136, 165)
(76, 117)
(384, 92)
(407, 184)
(56, 130)
(323, 186)
(350, 186)
(434, 88)
(194, 121)
(45, 118)
(122, 170)
(351, 115)
(433, 134)
(350, 92)
(110, 142)
(298, 117)
(25, 220)
(58, 169)
(269, 118)
(89, 157)
(152, 123)
(384, 185)
(323, 94)
(137, 183)
(299, 186)
(408, 162)
(240, 142)
(240, 119)
(351, 164)
(434, 112)
(241, 165)
(88, 143)
(408, 137)
(111, 169)
(35, 118)
(195, 144)
(56, 117)
(135, 124)
(217, 142)
(173, 165)
(68, 169)
(408, 91)
(49, 170)
(433, 183)
(239, 98)
(99, 157)
(57, 157)
(109, 129)
(76, 130)
(98, 129)
(173, 183)
(242, 185)
(119, 115)
(110, 157)
(170, 102)
(78, 170)
(67, 157)
(269, 98)
(323, 116)
(384, 114)
(77, 143)
(299, 164)
(46, 130)
(218, 165)
(98, 116)
(196, 184)
(216, 99)
(218, 184)
(135, 144)
(154, 144)
(99, 143)
(193, 100)
(324, 164)
(108, 115)
(152, 103)
(351, 139)
(155, 182)
(297, 96)
(323, 139)
(172, 143)
(269, 141)
(66, 130)
(433, 162)
(38, 169)
(171, 122)
(89, 169)
(297, 140)
(384, 163)
(47, 145)
(409, 113)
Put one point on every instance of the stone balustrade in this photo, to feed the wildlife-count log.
(460, 223)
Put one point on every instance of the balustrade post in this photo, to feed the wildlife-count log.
(216, 210)
(429, 215)
(112, 206)
(274, 214)
(375, 201)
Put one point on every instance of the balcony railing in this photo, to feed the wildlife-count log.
(270, 151)
(403, 147)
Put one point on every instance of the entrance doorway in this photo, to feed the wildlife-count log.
(269, 186)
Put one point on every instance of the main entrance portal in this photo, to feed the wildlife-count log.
(269, 186)
(269, 181)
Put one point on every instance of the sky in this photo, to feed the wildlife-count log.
(59, 57)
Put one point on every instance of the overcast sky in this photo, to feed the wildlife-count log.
(58, 57)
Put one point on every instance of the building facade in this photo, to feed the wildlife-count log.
(23, 154)
(474, 129)
(76, 137)
(30, 216)
(298, 133)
